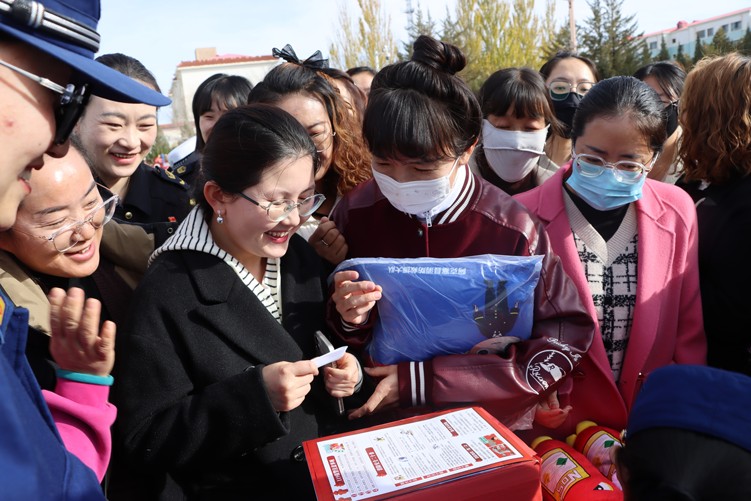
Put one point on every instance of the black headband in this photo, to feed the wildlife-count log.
(34, 15)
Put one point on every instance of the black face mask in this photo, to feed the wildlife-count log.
(564, 112)
(671, 117)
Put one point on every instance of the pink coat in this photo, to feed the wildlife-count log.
(667, 326)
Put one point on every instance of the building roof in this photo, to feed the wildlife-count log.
(225, 59)
(683, 24)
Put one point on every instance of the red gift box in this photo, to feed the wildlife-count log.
(454, 454)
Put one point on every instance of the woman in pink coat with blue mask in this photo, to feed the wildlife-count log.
(630, 246)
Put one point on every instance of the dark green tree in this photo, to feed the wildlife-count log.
(720, 44)
(422, 24)
(611, 39)
(663, 55)
(682, 59)
(646, 54)
(699, 50)
(744, 44)
(560, 41)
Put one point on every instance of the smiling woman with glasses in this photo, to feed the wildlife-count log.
(55, 242)
(216, 387)
(630, 245)
(310, 95)
(71, 234)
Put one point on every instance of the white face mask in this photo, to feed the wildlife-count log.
(512, 154)
(415, 197)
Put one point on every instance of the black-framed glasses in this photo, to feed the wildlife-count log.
(560, 89)
(69, 236)
(70, 108)
(624, 171)
(278, 210)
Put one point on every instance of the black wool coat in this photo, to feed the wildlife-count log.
(192, 405)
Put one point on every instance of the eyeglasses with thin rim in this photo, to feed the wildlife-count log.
(70, 108)
(321, 140)
(560, 89)
(278, 210)
(624, 171)
(69, 235)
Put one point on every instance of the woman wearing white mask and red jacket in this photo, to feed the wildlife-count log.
(518, 117)
(421, 125)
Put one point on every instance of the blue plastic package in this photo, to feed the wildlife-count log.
(441, 306)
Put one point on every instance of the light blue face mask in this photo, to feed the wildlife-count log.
(604, 191)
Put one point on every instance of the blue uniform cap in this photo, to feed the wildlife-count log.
(711, 401)
(66, 30)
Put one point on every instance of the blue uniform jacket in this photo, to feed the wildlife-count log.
(34, 463)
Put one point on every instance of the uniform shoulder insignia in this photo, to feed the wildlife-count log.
(169, 177)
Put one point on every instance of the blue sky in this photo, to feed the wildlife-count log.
(162, 33)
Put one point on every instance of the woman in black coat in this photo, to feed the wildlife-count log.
(715, 148)
(215, 388)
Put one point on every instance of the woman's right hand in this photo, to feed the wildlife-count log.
(287, 383)
(354, 299)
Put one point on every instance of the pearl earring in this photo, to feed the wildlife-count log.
(219, 218)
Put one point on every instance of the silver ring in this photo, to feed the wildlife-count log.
(324, 243)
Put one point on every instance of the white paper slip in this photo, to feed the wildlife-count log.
(327, 358)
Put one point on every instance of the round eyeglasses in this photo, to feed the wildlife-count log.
(560, 89)
(624, 171)
(278, 210)
(69, 235)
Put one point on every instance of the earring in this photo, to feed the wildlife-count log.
(219, 218)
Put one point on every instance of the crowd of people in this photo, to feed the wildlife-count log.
(209, 280)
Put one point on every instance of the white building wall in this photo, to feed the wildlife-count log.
(735, 24)
(188, 78)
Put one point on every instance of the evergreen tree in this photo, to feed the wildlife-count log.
(646, 54)
(422, 24)
(663, 55)
(610, 38)
(682, 59)
(744, 44)
(699, 50)
(561, 41)
(720, 44)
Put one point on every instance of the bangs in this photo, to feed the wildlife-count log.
(525, 100)
(404, 123)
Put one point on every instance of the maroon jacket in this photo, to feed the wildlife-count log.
(483, 220)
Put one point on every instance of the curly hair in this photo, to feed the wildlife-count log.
(715, 114)
(350, 160)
